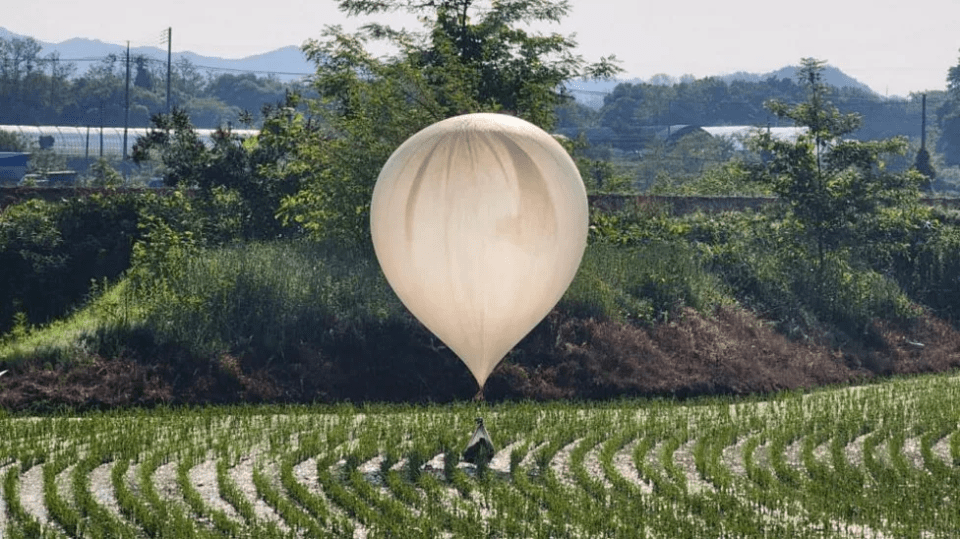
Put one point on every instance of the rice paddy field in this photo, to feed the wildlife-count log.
(874, 461)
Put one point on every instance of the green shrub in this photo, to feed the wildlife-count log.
(929, 269)
(641, 283)
(49, 252)
(778, 276)
(263, 297)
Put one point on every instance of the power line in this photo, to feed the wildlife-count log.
(198, 66)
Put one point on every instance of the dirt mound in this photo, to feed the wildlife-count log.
(731, 352)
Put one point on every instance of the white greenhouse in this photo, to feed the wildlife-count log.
(93, 142)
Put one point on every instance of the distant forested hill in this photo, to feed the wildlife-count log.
(628, 114)
(82, 82)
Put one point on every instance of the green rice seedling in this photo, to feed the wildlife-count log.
(868, 466)
(131, 505)
(669, 447)
(100, 523)
(59, 509)
(194, 500)
(231, 492)
(296, 518)
(20, 522)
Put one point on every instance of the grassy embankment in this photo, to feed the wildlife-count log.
(732, 300)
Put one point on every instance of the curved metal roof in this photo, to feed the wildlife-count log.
(74, 141)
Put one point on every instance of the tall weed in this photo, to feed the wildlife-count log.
(641, 283)
(773, 272)
(265, 297)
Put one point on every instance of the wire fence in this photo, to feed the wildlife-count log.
(92, 142)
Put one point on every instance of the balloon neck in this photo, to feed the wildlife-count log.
(478, 398)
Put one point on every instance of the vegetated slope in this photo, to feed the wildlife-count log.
(731, 352)
(661, 306)
(874, 461)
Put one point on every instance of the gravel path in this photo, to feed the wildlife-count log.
(684, 459)
(101, 487)
(942, 450)
(500, 462)
(31, 494)
(203, 477)
(165, 481)
(560, 464)
(591, 463)
(821, 454)
(732, 458)
(623, 463)
(911, 451)
(242, 476)
(853, 452)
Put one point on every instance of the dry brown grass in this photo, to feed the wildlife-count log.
(731, 352)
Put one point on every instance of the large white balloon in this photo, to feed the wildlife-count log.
(479, 223)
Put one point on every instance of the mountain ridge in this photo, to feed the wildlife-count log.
(289, 63)
(286, 63)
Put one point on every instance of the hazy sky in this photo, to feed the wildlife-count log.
(895, 47)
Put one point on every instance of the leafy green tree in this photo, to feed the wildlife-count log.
(100, 93)
(232, 163)
(18, 60)
(102, 174)
(924, 166)
(468, 58)
(13, 142)
(181, 152)
(246, 92)
(949, 119)
(143, 78)
(837, 189)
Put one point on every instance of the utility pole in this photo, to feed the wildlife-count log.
(923, 124)
(53, 79)
(126, 107)
(169, 57)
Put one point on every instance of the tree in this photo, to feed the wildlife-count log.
(143, 78)
(18, 60)
(245, 92)
(468, 58)
(232, 166)
(923, 165)
(953, 81)
(837, 189)
(102, 174)
(13, 142)
(949, 113)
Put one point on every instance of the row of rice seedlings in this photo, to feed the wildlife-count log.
(840, 485)
(535, 485)
(317, 505)
(812, 492)
(60, 511)
(296, 518)
(195, 501)
(231, 493)
(407, 482)
(633, 513)
(19, 522)
(100, 522)
(721, 508)
(668, 515)
(531, 501)
(726, 508)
